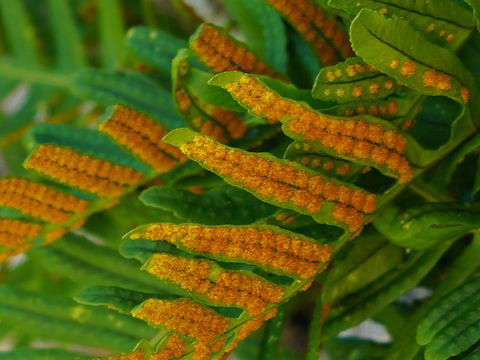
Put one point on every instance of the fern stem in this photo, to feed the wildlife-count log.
(273, 332)
(315, 329)
(34, 75)
(427, 192)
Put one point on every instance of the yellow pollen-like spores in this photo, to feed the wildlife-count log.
(450, 37)
(221, 53)
(388, 84)
(312, 23)
(394, 63)
(442, 33)
(305, 161)
(357, 91)
(142, 136)
(340, 92)
(331, 76)
(361, 109)
(88, 173)
(383, 110)
(248, 292)
(10, 240)
(183, 100)
(257, 96)
(362, 149)
(43, 194)
(352, 142)
(174, 348)
(56, 234)
(228, 288)
(136, 355)
(281, 216)
(287, 253)
(343, 169)
(437, 80)
(328, 166)
(7, 254)
(443, 82)
(255, 180)
(304, 199)
(373, 110)
(374, 133)
(370, 203)
(351, 70)
(392, 107)
(197, 122)
(210, 129)
(431, 27)
(348, 215)
(383, 11)
(190, 274)
(39, 201)
(14, 232)
(231, 121)
(373, 88)
(408, 68)
(360, 68)
(185, 317)
(465, 93)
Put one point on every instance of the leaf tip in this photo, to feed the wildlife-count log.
(180, 136)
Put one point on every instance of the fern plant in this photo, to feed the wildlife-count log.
(184, 191)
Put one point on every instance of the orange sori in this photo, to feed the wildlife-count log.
(284, 252)
(279, 179)
(228, 288)
(221, 53)
(94, 175)
(357, 138)
(143, 137)
(320, 31)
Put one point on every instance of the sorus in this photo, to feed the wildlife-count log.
(185, 317)
(315, 27)
(143, 137)
(227, 288)
(282, 181)
(14, 232)
(221, 53)
(88, 173)
(278, 251)
(174, 348)
(39, 201)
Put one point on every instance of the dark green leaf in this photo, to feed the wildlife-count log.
(214, 207)
(447, 23)
(127, 88)
(62, 319)
(79, 259)
(453, 324)
(122, 300)
(156, 47)
(263, 29)
(87, 141)
(367, 259)
(376, 296)
(428, 224)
